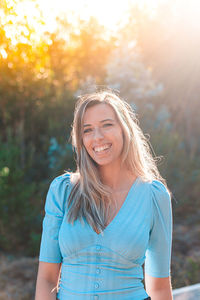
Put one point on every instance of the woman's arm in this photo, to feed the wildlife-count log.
(47, 281)
(158, 288)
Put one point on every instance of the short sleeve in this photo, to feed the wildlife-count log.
(54, 211)
(158, 254)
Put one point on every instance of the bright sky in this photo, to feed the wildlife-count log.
(108, 12)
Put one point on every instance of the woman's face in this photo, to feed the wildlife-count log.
(102, 134)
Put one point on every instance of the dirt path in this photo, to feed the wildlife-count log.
(18, 275)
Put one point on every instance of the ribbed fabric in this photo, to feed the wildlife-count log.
(109, 266)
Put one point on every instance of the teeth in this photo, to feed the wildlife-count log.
(99, 149)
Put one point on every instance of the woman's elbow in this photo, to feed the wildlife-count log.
(158, 288)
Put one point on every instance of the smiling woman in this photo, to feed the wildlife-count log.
(116, 186)
(102, 135)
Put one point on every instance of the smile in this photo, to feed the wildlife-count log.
(102, 148)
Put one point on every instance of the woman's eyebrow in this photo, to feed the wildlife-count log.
(85, 125)
(106, 120)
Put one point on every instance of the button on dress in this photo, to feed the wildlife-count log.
(108, 266)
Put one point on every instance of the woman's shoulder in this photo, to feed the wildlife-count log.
(158, 190)
(58, 192)
(67, 179)
(61, 179)
(159, 187)
(160, 196)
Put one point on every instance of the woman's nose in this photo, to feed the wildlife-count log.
(97, 134)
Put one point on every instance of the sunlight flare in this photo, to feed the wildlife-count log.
(41, 15)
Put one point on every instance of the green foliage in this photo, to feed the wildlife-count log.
(182, 172)
(19, 210)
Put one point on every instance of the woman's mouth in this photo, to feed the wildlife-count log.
(102, 149)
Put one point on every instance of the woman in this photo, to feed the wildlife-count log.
(113, 215)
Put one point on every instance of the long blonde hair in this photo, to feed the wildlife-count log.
(90, 198)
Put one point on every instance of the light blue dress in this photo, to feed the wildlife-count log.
(109, 266)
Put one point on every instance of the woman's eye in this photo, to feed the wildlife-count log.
(107, 124)
(87, 130)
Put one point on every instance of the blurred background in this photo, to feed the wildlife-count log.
(53, 51)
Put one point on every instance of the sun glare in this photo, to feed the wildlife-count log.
(41, 14)
(189, 11)
(108, 13)
(25, 13)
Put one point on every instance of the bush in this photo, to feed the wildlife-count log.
(20, 213)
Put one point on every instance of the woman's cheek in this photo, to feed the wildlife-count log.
(86, 143)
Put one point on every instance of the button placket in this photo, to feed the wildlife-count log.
(96, 285)
(98, 271)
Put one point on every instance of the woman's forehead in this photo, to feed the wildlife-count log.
(99, 112)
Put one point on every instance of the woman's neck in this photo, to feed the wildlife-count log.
(116, 176)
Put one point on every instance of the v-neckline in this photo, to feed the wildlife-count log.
(119, 211)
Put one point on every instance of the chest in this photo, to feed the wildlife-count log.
(116, 204)
(126, 234)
